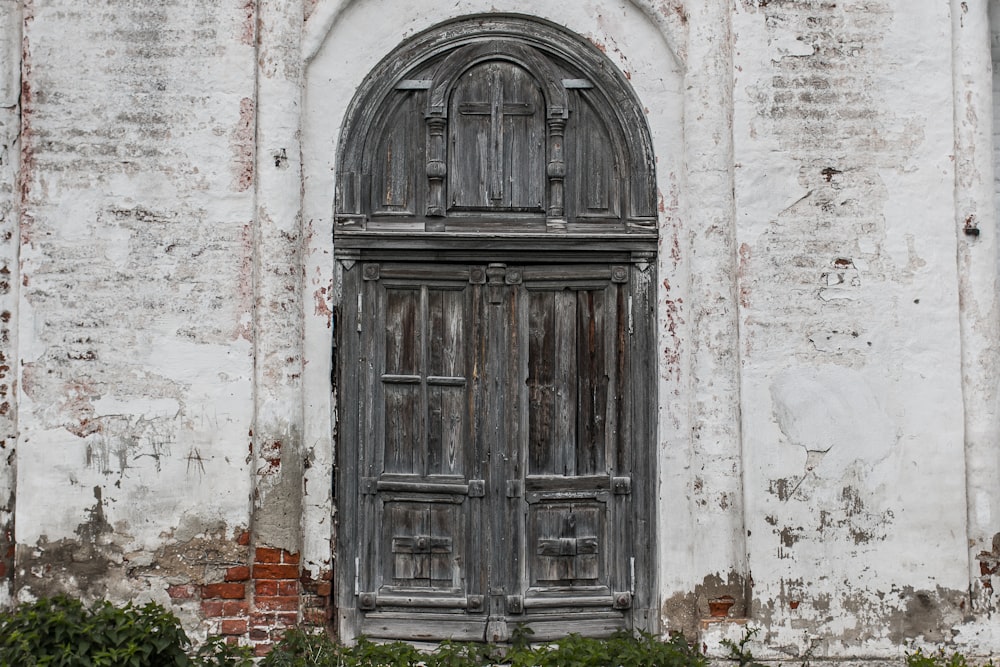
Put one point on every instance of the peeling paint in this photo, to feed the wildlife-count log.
(243, 146)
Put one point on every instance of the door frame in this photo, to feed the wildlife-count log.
(635, 240)
(640, 593)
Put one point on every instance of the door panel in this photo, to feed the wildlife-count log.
(498, 485)
(571, 389)
(422, 502)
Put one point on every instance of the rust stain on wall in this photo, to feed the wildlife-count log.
(243, 145)
(249, 35)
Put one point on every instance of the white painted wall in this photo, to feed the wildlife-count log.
(827, 360)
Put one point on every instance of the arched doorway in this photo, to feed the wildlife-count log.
(495, 237)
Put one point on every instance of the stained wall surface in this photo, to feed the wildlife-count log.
(828, 436)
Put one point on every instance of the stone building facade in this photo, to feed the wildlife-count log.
(821, 381)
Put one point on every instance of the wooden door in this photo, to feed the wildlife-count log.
(494, 453)
(495, 228)
(421, 494)
(571, 454)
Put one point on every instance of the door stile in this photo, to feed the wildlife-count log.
(642, 436)
(371, 424)
(349, 363)
(621, 453)
(496, 441)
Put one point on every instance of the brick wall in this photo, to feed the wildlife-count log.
(255, 603)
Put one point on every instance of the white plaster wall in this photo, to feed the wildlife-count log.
(810, 268)
(10, 47)
(849, 324)
(136, 291)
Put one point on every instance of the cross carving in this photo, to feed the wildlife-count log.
(496, 108)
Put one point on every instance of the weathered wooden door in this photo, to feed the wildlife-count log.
(421, 453)
(495, 460)
(495, 239)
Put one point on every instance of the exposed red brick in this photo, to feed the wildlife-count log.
(277, 603)
(233, 627)
(262, 649)
(181, 592)
(324, 589)
(265, 587)
(313, 601)
(244, 538)
(289, 558)
(286, 620)
(238, 573)
(235, 608)
(227, 591)
(314, 616)
(271, 571)
(258, 619)
(267, 555)
(258, 634)
(276, 587)
(212, 609)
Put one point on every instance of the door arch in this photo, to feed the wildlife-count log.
(495, 234)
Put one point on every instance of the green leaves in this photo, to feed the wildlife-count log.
(299, 649)
(940, 659)
(61, 632)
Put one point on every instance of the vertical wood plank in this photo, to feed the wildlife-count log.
(592, 394)
(564, 383)
(394, 163)
(402, 331)
(541, 378)
(402, 437)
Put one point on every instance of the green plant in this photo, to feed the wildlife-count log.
(216, 652)
(299, 649)
(62, 632)
(940, 659)
(621, 649)
(739, 651)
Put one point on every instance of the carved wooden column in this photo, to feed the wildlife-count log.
(437, 169)
(556, 172)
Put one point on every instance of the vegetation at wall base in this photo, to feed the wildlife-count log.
(941, 659)
(62, 632)
(299, 649)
